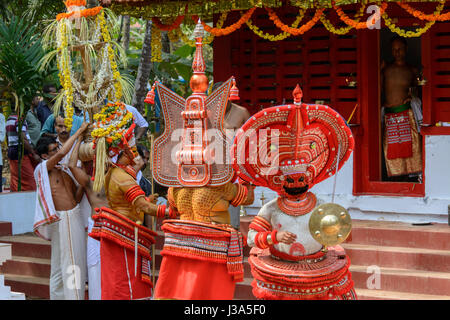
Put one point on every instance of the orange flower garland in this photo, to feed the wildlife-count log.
(422, 16)
(295, 31)
(78, 14)
(225, 31)
(168, 27)
(350, 22)
(78, 3)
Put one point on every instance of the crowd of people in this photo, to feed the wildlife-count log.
(40, 122)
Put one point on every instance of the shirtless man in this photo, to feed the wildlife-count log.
(58, 218)
(96, 200)
(402, 152)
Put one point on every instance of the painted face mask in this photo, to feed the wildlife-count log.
(302, 142)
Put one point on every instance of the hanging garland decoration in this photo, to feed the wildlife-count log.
(353, 23)
(111, 57)
(294, 31)
(412, 34)
(226, 31)
(64, 74)
(422, 16)
(280, 36)
(156, 44)
(168, 27)
(176, 34)
(344, 30)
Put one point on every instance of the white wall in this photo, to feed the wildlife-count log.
(431, 208)
(18, 208)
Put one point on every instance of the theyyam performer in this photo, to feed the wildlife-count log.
(202, 253)
(290, 148)
(125, 243)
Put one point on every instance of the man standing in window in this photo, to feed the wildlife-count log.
(402, 116)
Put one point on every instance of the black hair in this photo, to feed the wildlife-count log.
(401, 39)
(216, 85)
(141, 149)
(47, 87)
(43, 143)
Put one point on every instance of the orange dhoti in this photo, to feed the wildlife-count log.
(201, 261)
(402, 143)
(117, 251)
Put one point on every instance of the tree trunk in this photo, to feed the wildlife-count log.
(126, 33)
(143, 73)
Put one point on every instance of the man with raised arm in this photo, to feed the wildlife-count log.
(58, 218)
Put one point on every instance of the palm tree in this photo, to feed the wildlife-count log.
(145, 66)
(20, 55)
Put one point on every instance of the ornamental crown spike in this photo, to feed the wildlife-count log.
(234, 91)
(199, 81)
(298, 95)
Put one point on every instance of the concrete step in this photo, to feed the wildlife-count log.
(398, 257)
(400, 234)
(366, 294)
(27, 266)
(28, 245)
(33, 287)
(402, 280)
(5, 228)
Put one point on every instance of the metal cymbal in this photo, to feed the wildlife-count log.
(330, 224)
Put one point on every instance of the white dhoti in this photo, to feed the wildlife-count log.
(68, 260)
(94, 266)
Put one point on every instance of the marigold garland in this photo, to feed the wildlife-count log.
(350, 22)
(418, 32)
(280, 36)
(230, 29)
(64, 75)
(79, 14)
(294, 31)
(111, 56)
(344, 30)
(168, 27)
(156, 44)
(111, 122)
(422, 16)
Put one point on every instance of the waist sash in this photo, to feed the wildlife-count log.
(207, 242)
(398, 132)
(112, 226)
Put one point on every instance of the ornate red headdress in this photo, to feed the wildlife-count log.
(194, 150)
(294, 140)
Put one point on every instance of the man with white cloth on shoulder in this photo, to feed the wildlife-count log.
(58, 218)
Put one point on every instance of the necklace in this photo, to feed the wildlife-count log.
(128, 169)
(297, 208)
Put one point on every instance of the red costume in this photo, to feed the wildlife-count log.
(298, 145)
(202, 254)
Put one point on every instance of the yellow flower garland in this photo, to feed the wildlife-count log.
(111, 56)
(344, 30)
(64, 76)
(410, 34)
(156, 44)
(280, 36)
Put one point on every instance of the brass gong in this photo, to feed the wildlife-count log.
(330, 224)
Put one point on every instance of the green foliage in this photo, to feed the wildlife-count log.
(20, 55)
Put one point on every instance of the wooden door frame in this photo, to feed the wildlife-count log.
(368, 150)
